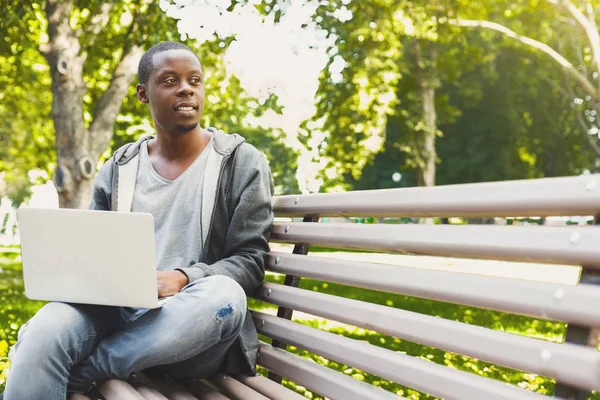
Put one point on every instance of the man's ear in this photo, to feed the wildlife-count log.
(142, 93)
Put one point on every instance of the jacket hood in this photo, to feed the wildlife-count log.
(223, 143)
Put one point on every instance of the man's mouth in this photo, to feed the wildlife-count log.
(186, 110)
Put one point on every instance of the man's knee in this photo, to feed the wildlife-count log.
(55, 328)
(53, 322)
(229, 290)
(233, 306)
(226, 298)
(220, 286)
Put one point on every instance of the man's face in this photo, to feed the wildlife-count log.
(175, 91)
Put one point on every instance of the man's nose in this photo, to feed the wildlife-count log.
(185, 89)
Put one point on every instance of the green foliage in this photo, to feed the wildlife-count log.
(516, 124)
(504, 109)
(488, 129)
(25, 83)
(356, 89)
(555, 26)
(389, 50)
(27, 131)
(523, 126)
(15, 308)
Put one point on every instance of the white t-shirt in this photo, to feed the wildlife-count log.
(176, 206)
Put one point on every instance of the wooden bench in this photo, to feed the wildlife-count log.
(574, 365)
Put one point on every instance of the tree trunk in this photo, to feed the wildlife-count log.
(425, 73)
(74, 172)
(80, 192)
(426, 174)
(426, 77)
(79, 148)
(66, 68)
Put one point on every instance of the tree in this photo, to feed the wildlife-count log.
(426, 61)
(430, 54)
(357, 87)
(521, 127)
(374, 45)
(26, 132)
(516, 125)
(92, 53)
(79, 62)
(380, 49)
(581, 44)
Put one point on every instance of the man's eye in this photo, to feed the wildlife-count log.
(196, 79)
(170, 80)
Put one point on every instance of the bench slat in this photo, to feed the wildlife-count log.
(146, 387)
(171, 389)
(115, 389)
(545, 244)
(236, 390)
(572, 304)
(149, 393)
(204, 391)
(416, 373)
(267, 387)
(318, 378)
(577, 365)
(78, 396)
(540, 197)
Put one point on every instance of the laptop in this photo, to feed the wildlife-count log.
(90, 257)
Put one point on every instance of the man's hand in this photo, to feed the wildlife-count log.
(170, 282)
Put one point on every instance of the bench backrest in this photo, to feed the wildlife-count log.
(575, 366)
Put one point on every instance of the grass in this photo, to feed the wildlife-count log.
(16, 309)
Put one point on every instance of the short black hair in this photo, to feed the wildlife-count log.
(146, 66)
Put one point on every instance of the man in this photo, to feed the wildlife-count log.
(210, 195)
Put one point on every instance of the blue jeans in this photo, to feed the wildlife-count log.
(66, 347)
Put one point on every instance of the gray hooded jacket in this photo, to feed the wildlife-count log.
(237, 241)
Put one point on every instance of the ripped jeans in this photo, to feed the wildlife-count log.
(66, 347)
